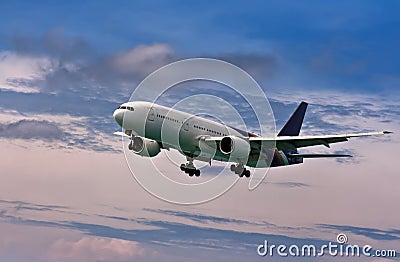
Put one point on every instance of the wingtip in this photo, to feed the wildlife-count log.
(387, 132)
(343, 155)
(119, 133)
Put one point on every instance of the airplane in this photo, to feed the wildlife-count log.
(146, 124)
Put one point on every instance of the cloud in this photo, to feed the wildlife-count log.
(178, 235)
(111, 77)
(31, 129)
(298, 202)
(59, 63)
(95, 249)
(54, 43)
(143, 59)
(260, 66)
(374, 233)
(20, 205)
(343, 115)
(355, 159)
(75, 68)
(72, 66)
(291, 184)
(51, 127)
(204, 219)
(108, 243)
(20, 72)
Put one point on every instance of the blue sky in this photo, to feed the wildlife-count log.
(350, 45)
(65, 66)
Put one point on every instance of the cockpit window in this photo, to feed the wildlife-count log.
(126, 107)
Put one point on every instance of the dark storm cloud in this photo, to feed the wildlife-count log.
(31, 129)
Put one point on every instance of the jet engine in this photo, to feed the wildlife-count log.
(144, 147)
(237, 147)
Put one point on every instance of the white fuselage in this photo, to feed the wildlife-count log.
(174, 129)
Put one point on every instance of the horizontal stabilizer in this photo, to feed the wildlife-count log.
(317, 155)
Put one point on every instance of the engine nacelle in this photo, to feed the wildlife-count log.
(144, 147)
(236, 147)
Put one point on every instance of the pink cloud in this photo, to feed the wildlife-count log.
(89, 249)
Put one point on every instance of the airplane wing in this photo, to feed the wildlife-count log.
(293, 142)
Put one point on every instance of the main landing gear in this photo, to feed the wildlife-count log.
(240, 170)
(189, 168)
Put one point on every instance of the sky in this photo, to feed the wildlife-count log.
(66, 66)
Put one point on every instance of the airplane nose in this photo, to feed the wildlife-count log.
(119, 116)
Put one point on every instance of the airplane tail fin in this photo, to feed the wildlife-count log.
(293, 125)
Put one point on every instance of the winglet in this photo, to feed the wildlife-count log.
(293, 125)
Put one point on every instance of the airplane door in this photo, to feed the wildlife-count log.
(186, 126)
(152, 115)
(186, 138)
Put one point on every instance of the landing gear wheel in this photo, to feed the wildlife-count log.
(240, 170)
(189, 168)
